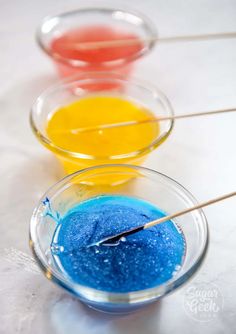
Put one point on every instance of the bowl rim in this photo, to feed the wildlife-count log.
(108, 9)
(156, 93)
(98, 296)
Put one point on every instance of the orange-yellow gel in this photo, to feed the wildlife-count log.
(102, 145)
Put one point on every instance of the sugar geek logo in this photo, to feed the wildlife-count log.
(203, 301)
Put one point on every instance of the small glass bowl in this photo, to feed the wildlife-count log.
(129, 21)
(90, 84)
(146, 184)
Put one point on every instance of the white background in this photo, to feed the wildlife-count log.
(200, 154)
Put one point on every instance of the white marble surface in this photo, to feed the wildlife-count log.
(200, 154)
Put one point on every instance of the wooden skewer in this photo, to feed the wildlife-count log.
(134, 41)
(114, 239)
(152, 120)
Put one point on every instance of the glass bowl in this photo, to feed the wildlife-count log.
(113, 18)
(95, 84)
(146, 184)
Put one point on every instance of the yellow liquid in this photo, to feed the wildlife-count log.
(102, 145)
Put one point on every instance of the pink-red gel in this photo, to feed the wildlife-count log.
(113, 59)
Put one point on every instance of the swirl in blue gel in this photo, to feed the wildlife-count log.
(143, 260)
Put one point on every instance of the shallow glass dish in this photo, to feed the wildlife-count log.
(143, 183)
(114, 18)
(99, 84)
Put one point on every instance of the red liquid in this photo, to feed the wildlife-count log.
(94, 60)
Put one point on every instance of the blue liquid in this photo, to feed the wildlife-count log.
(140, 261)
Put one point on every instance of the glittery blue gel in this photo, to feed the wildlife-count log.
(140, 261)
